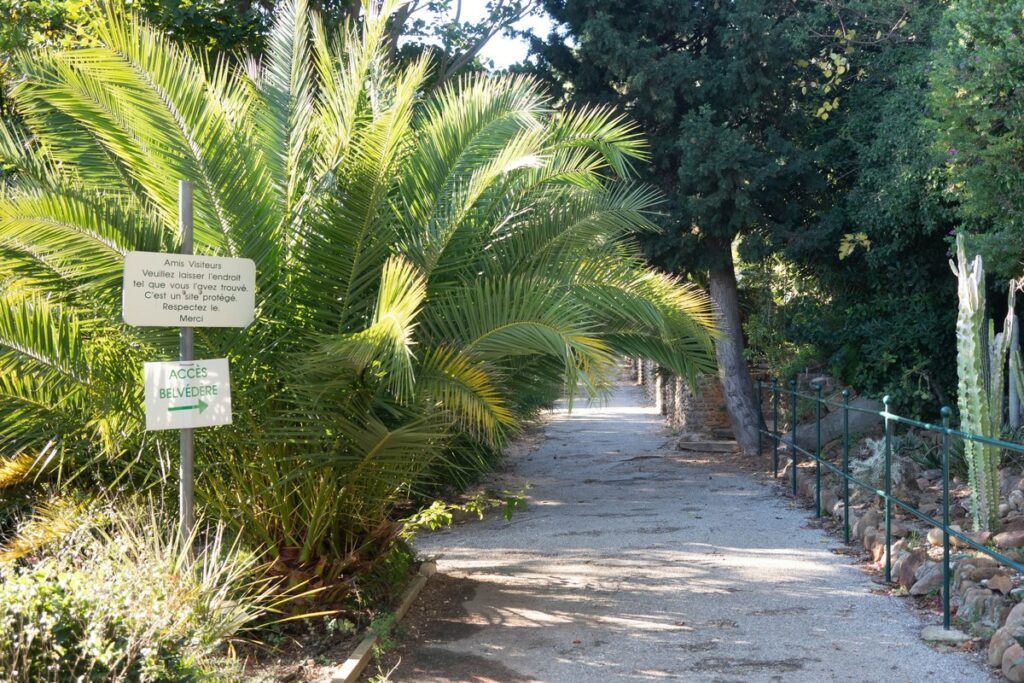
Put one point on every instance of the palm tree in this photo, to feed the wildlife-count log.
(428, 269)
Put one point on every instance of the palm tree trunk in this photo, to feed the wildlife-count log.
(737, 386)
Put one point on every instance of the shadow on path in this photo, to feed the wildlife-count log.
(633, 565)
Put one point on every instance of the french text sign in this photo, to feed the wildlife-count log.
(174, 290)
(187, 394)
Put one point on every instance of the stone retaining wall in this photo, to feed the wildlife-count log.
(985, 597)
(701, 412)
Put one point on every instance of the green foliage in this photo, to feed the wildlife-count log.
(427, 268)
(32, 24)
(223, 26)
(713, 85)
(976, 105)
(123, 601)
(383, 577)
(339, 625)
(383, 626)
(44, 22)
(439, 514)
(216, 25)
(775, 295)
(880, 317)
(1010, 458)
(850, 243)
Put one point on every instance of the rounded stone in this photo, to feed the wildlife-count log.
(937, 634)
(1001, 640)
(1010, 539)
(1013, 658)
(1016, 615)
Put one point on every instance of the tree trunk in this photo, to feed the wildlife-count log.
(737, 386)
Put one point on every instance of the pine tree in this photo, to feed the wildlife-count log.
(715, 88)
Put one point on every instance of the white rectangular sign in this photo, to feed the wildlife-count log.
(174, 290)
(187, 394)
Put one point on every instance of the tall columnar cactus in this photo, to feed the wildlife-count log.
(981, 360)
(1016, 380)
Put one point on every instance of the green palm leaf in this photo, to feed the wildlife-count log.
(429, 270)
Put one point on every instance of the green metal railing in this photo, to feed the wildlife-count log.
(843, 471)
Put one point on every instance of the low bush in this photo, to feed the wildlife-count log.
(122, 600)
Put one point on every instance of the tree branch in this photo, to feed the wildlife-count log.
(449, 68)
(398, 22)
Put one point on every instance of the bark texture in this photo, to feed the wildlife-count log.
(737, 386)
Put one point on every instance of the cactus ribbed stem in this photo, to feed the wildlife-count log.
(981, 359)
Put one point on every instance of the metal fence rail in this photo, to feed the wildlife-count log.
(778, 439)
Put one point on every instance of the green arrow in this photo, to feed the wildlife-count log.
(201, 406)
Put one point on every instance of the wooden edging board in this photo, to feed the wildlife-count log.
(350, 670)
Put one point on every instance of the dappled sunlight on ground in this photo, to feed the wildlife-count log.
(633, 563)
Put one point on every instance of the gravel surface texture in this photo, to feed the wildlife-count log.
(632, 564)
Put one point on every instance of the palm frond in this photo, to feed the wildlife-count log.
(612, 136)
(79, 236)
(388, 342)
(430, 269)
(468, 389)
(49, 523)
(286, 116)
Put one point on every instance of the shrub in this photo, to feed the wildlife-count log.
(871, 470)
(122, 601)
(976, 78)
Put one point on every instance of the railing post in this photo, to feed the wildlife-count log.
(945, 517)
(760, 418)
(792, 428)
(817, 450)
(846, 466)
(775, 427)
(888, 492)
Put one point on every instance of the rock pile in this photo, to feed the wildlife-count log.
(983, 594)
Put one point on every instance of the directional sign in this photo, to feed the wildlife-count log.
(175, 290)
(187, 394)
(200, 406)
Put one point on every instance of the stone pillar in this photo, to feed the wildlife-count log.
(659, 393)
(677, 401)
(670, 397)
(650, 380)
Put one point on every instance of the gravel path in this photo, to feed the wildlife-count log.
(631, 565)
